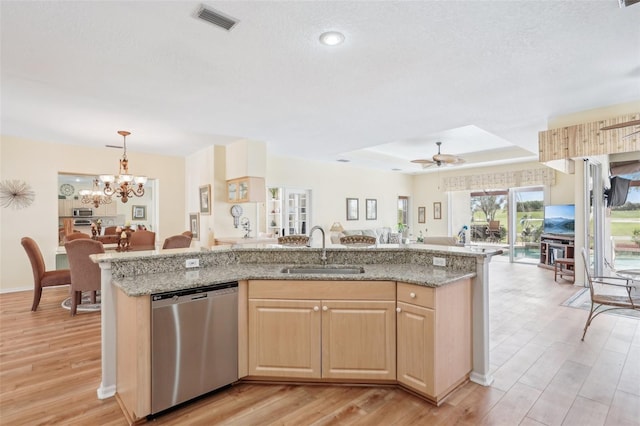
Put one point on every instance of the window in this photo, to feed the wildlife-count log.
(403, 210)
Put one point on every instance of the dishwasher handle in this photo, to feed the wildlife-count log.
(195, 293)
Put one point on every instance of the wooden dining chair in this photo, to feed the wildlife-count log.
(76, 236)
(142, 240)
(85, 274)
(603, 300)
(176, 241)
(41, 277)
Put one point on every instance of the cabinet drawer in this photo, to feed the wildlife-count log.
(416, 295)
(317, 289)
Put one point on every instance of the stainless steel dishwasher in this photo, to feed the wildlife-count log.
(194, 343)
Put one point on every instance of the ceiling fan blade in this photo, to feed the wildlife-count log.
(423, 161)
(621, 125)
(448, 159)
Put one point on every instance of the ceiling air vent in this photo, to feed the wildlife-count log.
(216, 18)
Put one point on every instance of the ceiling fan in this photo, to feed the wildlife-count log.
(439, 159)
(621, 125)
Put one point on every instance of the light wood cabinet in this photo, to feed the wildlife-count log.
(284, 338)
(133, 355)
(340, 330)
(434, 337)
(65, 207)
(246, 189)
(358, 339)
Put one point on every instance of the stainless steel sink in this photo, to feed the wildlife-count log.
(324, 270)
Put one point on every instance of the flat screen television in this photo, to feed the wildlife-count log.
(560, 219)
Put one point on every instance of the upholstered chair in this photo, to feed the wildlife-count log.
(293, 240)
(85, 275)
(110, 230)
(76, 236)
(41, 277)
(187, 234)
(176, 241)
(142, 240)
(360, 240)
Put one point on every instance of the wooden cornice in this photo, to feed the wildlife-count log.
(583, 140)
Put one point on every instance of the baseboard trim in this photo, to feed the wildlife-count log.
(481, 379)
(106, 392)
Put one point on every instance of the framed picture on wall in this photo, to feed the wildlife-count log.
(437, 210)
(205, 199)
(372, 209)
(421, 214)
(352, 209)
(194, 225)
(139, 212)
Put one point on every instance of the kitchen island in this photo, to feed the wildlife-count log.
(395, 278)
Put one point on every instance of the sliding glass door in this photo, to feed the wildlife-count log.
(526, 224)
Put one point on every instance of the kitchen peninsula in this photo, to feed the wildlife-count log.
(399, 289)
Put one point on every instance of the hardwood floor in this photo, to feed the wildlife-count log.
(544, 374)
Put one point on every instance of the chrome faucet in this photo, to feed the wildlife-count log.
(323, 258)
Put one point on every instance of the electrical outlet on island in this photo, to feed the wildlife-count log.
(193, 263)
(439, 261)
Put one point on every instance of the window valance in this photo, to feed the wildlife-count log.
(511, 179)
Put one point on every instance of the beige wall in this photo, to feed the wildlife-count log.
(331, 184)
(426, 192)
(38, 163)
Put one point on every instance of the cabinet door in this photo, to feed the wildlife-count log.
(243, 191)
(284, 338)
(65, 207)
(111, 209)
(232, 191)
(416, 348)
(358, 339)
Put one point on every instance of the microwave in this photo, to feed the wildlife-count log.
(82, 212)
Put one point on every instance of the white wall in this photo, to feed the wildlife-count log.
(38, 163)
(578, 182)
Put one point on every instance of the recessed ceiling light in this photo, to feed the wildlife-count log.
(343, 160)
(331, 38)
(396, 170)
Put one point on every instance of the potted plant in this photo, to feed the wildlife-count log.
(403, 229)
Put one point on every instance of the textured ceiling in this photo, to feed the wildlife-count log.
(477, 75)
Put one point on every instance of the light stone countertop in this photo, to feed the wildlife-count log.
(147, 284)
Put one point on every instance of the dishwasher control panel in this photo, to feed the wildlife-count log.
(198, 292)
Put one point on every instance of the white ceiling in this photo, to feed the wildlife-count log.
(476, 75)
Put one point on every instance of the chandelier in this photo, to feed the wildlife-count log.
(94, 196)
(126, 185)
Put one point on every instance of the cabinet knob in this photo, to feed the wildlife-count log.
(316, 309)
(325, 308)
(398, 310)
(412, 295)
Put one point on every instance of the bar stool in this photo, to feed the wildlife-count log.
(564, 267)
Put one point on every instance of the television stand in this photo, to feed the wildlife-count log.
(554, 247)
